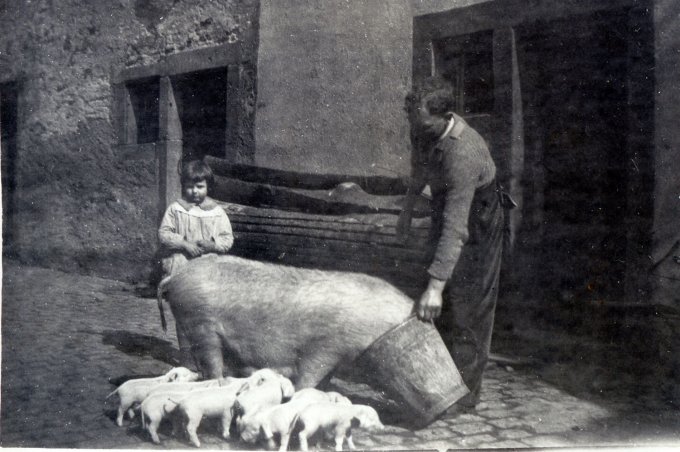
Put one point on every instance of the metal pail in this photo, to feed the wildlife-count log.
(412, 366)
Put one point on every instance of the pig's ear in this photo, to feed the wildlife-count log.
(242, 389)
(287, 388)
(173, 375)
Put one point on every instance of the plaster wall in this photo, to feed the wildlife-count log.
(666, 238)
(80, 206)
(332, 76)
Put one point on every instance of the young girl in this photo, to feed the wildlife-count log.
(191, 227)
(194, 225)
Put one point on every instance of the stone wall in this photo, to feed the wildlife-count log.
(79, 205)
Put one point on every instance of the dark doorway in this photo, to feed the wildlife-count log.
(144, 98)
(202, 105)
(575, 75)
(8, 144)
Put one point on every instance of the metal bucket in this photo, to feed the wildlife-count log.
(412, 366)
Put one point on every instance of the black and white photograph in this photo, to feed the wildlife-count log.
(340, 224)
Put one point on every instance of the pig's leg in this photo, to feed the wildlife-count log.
(185, 357)
(325, 382)
(226, 422)
(269, 437)
(350, 442)
(119, 416)
(192, 426)
(338, 441)
(207, 349)
(152, 427)
(303, 440)
(285, 438)
(125, 405)
(312, 369)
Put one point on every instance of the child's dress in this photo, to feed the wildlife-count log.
(186, 221)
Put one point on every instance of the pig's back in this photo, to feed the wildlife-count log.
(234, 281)
(292, 308)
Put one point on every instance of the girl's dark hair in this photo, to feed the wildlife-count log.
(442, 100)
(195, 171)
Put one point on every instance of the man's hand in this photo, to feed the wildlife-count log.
(430, 304)
(192, 249)
(207, 246)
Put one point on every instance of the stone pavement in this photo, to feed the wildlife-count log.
(65, 336)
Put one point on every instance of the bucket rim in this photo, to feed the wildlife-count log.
(408, 319)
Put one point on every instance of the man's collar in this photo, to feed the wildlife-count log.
(457, 129)
(448, 129)
(207, 204)
(454, 128)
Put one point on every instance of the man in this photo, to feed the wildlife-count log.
(467, 228)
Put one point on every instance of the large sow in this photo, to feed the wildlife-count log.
(240, 314)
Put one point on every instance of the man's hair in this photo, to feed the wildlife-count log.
(195, 171)
(442, 99)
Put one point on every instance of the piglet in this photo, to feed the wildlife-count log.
(163, 399)
(136, 390)
(251, 398)
(269, 422)
(219, 402)
(156, 407)
(336, 421)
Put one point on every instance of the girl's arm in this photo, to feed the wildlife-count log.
(167, 232)
(224, 237)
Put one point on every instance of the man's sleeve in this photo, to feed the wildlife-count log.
(462, 172)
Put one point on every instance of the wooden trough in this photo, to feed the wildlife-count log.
(330, 222)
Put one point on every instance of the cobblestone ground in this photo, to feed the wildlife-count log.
(66, 337)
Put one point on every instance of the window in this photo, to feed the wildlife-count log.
(202, 107)
(467, 62)
(192, 99)
(143, 95)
